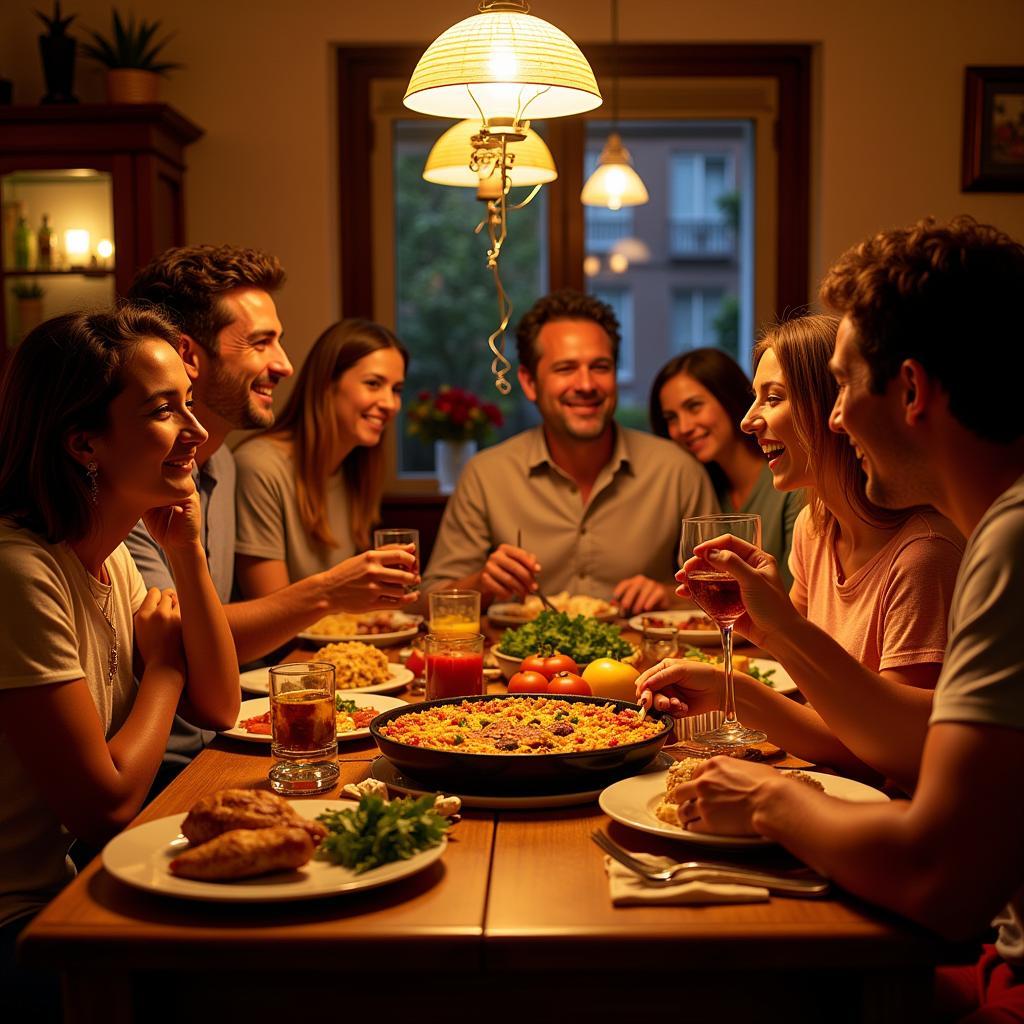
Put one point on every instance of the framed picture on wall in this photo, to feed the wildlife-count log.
(993, 157)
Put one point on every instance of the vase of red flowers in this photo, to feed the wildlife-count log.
(456, 421)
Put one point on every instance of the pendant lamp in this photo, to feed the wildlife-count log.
(614, 183)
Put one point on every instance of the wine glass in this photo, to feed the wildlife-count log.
(718, 594)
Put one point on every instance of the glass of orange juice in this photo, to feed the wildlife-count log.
(455, 612)
(302, 725)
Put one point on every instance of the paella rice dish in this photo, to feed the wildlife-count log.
(355, 664)
(521, 725)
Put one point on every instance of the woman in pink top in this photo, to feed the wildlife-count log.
(879, 581)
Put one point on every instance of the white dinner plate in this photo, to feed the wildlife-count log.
(257, 680)
(140, 855)
(410, 627)
(632, 802)
(261, 705)
(507, 613)
(709, 637)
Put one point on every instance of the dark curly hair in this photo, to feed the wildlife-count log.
(62, 379)
(949, 296)
(564, 304)
(187, 283)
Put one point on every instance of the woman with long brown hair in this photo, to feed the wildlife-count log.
(880, 581)
(697, 400)
(309, 490)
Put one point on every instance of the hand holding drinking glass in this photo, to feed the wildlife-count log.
(718, 593)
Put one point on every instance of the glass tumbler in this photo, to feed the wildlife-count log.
(455, 665)
(455, 611)
(302, 726)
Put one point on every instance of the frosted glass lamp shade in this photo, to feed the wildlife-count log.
(515, 65)
(448, 161)
(614, 183)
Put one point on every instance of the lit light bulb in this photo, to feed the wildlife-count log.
(76, 245)
(618, 263)
(105, 248)
(591, 265)
(502, 64)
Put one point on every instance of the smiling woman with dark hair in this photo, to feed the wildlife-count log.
(697, 400)
(96, 431)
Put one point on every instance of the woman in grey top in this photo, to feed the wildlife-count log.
(309, 489)
(698, 400)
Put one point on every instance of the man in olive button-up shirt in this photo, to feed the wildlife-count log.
(598, 506)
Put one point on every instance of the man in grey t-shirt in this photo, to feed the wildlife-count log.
(220, 297)
(929, 367)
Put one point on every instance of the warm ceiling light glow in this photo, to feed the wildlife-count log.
(502, 62)
(105, 248)
(591, 265)
(448, 160)
(618, 263)
(614, 183)
(76, 244)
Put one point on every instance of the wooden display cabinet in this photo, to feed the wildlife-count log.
(114, 170)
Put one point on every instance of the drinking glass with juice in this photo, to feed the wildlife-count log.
(455, 665)
(302, 724)
(455, 611)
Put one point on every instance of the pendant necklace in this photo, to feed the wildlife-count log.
(112, 659)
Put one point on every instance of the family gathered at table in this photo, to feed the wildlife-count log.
(880, 443)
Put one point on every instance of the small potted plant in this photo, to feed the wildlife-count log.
(131, 58)
(29, 296)
(456, 421)
(57, 49)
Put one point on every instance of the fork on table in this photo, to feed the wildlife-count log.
(803, 882)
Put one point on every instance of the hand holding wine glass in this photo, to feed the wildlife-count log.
(768, 609)
(718, 593)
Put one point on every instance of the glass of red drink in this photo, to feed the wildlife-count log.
(302, 726)
(455, 665)
(719, 595)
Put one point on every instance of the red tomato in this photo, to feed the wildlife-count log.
(548, 666)
(416, 663)
(528, 682)
(569, 682)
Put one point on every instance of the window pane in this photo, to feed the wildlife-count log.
(446, 302)
(685, 259)
(621, 301)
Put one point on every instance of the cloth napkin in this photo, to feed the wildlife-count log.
(630, 890)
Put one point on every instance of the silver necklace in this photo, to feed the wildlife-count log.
(112, 659)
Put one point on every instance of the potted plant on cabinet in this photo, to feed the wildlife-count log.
(29, 296)
(131, 59)
(57, 49)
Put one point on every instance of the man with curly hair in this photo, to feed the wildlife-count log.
(929, 365)
(588, 506)
(221, 300)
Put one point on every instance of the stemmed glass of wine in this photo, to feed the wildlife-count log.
(718, 594)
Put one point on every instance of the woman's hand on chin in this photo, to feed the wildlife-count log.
(175, 526)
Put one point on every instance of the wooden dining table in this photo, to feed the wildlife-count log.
(513, 923)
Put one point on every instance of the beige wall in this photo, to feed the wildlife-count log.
(259, 79)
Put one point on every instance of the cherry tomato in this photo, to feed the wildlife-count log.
(528, 682)
(416, 663)
(569, 682)
(548, 666)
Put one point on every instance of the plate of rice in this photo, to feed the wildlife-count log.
(358, 668)
(522, 743)
(382, 629)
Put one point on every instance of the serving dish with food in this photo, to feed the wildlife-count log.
(644, 802)
(691, 624)
(582, 639)
(516, 613)
(353, 717)
(522, 743)
(382, 629)
(359, 668)
(253, 846)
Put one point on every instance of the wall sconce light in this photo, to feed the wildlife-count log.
(76, 246)
(499, 68)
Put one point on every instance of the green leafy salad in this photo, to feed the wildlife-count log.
(584, 639)
(379, 832)
(696, 654)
